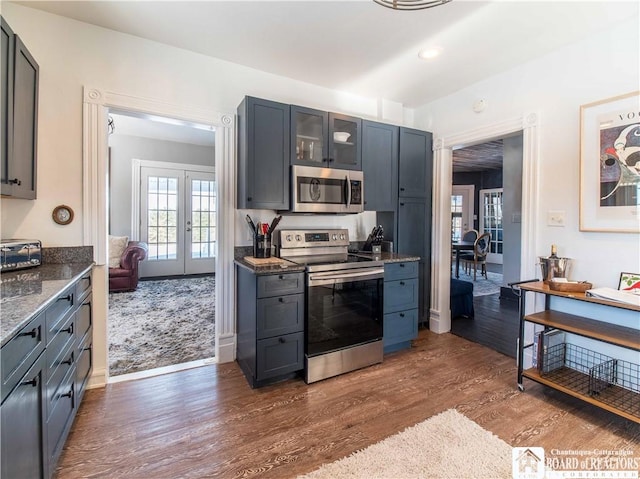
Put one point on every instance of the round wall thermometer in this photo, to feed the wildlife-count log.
(63, 214)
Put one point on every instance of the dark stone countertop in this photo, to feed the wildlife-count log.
(25, 293)
(270, 269)
(389, 257)
(242, 251)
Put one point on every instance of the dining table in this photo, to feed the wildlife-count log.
(458, 246)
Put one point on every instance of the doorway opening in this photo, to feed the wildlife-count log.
(493, 169)
(162, 191)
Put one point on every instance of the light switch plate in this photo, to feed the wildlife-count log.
(555, 218)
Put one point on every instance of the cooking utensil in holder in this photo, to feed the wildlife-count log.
(262, 245)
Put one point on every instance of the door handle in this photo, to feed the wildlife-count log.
(188, 229)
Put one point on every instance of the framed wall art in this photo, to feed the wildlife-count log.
(629, 282)
(610, 165)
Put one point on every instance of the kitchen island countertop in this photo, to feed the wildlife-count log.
(25, 293)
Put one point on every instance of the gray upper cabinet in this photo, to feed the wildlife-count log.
(20, 77)
(414, 172)
(380, 166)
(323, 139)
(263, 154)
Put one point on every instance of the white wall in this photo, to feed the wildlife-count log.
(125, 148)
(602, 66)
(72, 54)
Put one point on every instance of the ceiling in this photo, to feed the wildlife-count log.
(486, 156)
(151, 126)
(356, 45)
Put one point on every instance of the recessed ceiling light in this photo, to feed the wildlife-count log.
(428, 53)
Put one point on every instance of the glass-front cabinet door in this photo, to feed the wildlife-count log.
(345, 142)
(323, 139)
(309, 132)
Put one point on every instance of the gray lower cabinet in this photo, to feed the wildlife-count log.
(401, 294)
(270, 311)
(45, 368)
(20, 77)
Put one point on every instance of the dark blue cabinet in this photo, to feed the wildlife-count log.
(263, 154)
(415, 179)
(401, 300)
(20, 78)
(323, 139)
(270, 312)
(380, 166)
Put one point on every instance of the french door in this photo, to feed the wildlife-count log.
(461, 210)
(177, 220)
(491, 222)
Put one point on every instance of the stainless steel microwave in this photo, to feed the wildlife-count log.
(326, 190)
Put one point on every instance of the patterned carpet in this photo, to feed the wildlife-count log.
(483, 286)
(162, 323)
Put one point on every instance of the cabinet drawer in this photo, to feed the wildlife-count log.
(84, 365)
(22, 427)
(84, 320)
(279, 284)
(280, 315)
(281, 355)
(56, 372)
(57, 311)
(400, 295)
(60, 418)
(17, 356)
(393, 271)
(400, 326)
(83, 286)
(61, 338)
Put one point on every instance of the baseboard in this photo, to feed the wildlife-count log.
(177, 276)
(227, 349)
(98, 379)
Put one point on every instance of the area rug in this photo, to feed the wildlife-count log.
(483, 286)
(162, 323)
(448, 445)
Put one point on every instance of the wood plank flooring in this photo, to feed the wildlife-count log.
(207, 422)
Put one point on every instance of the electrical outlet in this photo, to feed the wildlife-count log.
(555, 218)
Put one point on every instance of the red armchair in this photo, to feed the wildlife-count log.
(125, 278)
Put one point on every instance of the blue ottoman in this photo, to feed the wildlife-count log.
(461, 298)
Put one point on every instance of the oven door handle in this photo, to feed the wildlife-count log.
(333, 277)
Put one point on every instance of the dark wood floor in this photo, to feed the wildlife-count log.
(495, 324)
(207, 422)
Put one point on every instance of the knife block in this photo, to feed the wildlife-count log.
(262, 246)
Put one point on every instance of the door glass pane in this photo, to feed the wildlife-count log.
(345, 139)
(456, 217)
(309, 137)
(203, 209)
(162, 216)
(492, 221)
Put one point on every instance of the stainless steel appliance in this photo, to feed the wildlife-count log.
(326, 190)
(343, 308)
(19, 254)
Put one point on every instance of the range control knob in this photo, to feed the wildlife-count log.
(298, 238)
(334, 237)
(342, 236)
(288, 238)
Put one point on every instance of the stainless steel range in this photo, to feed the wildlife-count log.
(343, 320)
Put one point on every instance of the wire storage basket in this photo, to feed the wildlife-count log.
(611, 381)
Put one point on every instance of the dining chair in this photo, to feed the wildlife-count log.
(470, 235)
(478, 257)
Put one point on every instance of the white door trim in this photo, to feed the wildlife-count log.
(440, 317)
(96, 104)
